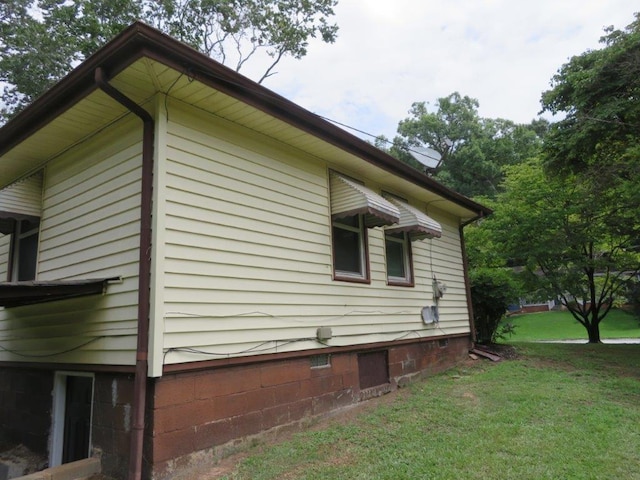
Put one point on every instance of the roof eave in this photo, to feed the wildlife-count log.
(140, 40)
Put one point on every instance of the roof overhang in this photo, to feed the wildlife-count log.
(16, 294)
(176, 68)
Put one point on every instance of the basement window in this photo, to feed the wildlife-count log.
(320, 361)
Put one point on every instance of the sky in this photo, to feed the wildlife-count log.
(391, 53)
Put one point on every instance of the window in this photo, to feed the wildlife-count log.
(398, 255)
(24, 251)
(20, 212)
(349, 249)
(354, 208)
(322, 360)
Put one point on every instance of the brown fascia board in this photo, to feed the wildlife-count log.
(140, 40)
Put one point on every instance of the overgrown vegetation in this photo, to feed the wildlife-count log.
(492, 290)
(520, 419)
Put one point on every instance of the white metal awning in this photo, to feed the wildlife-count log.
(418, 224)
(351, 198)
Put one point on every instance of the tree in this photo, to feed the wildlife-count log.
(599, 94)
(597, 145)
(474, 149)
(41, 40)
(576, 236)
(446, 130)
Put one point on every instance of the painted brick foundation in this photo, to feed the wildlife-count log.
(203, 411)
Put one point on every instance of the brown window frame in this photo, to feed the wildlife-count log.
(363, 276)
(407, 256)
(16, 252)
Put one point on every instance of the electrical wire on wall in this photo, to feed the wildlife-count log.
(272, 346)
(314, 322)
(61, 352)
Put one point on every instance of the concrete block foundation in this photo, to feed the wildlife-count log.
(201, 411)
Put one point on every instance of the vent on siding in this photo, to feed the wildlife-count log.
(320, 361)
(443, 342)
(373, 369)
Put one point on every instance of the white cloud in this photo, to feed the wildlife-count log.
(390, 54)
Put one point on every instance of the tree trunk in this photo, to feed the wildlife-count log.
(594, 332)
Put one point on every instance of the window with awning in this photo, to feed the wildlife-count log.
(21, 200)
(20, 211)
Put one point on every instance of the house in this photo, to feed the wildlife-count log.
(192, 259)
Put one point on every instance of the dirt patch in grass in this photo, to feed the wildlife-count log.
(507, 352)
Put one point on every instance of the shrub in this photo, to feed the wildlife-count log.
(492, 290)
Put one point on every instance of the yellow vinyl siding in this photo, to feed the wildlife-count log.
(89, 229)
(248, 263)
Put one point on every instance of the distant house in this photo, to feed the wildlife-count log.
(191, 259)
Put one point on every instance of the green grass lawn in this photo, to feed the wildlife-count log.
(559, 411)
(562, 326)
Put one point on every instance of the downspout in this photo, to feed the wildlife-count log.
(144, 278)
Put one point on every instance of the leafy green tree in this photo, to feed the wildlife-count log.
(480, 243)
(493, 286)
(41, 40)
(598, 92)
(446, 130)
(596, 146)
(575, 236)
(474, 150)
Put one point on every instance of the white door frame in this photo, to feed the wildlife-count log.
(56, 439)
